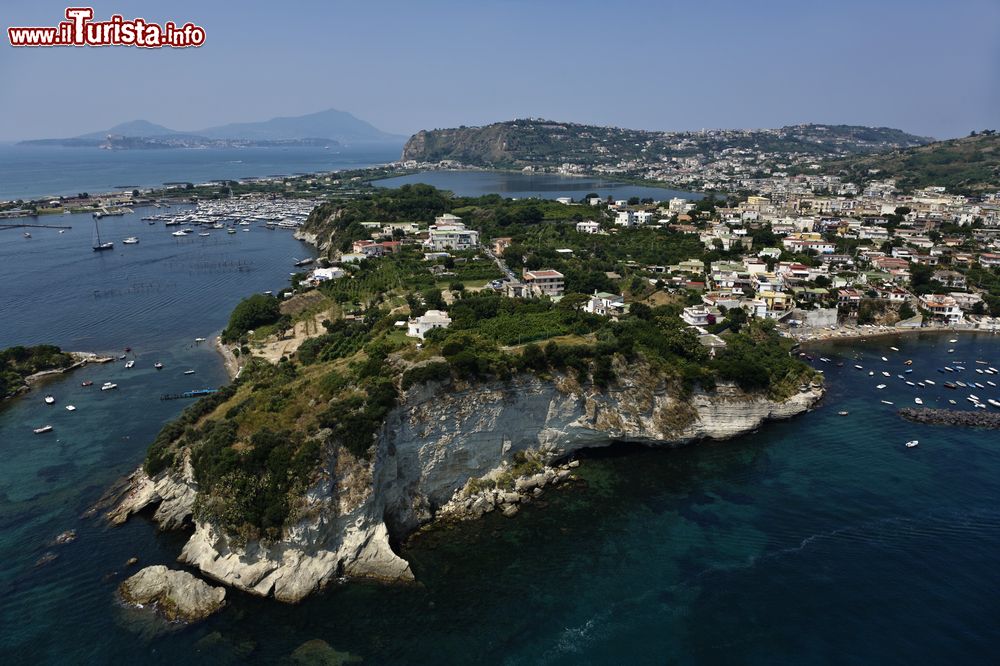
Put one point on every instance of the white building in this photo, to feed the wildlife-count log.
(588, 227)
(451, 237)
(418, 327)
(324, 274)
(547, 282)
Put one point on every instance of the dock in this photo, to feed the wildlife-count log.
(197, 393)
(35, 226)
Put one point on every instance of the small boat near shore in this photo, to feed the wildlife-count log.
(50, 400)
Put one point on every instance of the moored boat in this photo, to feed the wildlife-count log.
(44, 428)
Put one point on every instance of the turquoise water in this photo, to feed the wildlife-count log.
(523, 185)
(37, 171)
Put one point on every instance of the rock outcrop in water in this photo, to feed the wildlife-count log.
(177, 595)
(439, 441)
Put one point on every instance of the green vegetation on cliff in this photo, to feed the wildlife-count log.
(17, 363)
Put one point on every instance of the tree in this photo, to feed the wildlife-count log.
(641, 311)
(906, 311)
(251, 313)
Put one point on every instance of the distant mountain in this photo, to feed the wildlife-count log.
(330, 127)
(969, 165)
(546, 143)
(333, 124)
(138, 128)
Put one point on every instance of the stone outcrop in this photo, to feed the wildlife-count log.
(177, 595)
(436, 440)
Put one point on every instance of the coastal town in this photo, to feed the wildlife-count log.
(857, 262)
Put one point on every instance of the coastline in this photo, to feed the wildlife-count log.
(854, 333)
(229, 359)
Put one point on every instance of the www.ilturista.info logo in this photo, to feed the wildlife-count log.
(80, 30)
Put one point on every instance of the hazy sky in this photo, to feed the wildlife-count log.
(931, 68)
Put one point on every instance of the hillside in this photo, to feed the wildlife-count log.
(965, 165)
(531, 142)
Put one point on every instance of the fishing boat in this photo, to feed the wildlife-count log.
(109, 386)
(158, 365)
(131, 240)
(45, 428)
(87, 383)
(50, 400)
(913, 442)
(98, 245)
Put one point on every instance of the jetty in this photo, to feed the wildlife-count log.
(35, 226)
(953, 417)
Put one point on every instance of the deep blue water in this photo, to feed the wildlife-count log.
(524, 185)
(37, 171)
(821, 539)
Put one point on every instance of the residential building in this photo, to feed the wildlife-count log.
(545, 282)
(419, 326)
(588, 227)
(942, 308)
(605, 304)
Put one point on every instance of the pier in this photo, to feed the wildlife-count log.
(35, 226)
(952, 417)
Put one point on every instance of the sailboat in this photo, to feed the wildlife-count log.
(98, 245)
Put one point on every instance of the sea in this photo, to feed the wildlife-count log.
(821, 539)
(31, 171)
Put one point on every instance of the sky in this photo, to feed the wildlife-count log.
(930, 68)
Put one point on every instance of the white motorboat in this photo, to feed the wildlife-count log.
(45, 428)
(129, 364)
(913, 442)
(918, 401)
(50, 400)
(880, 387)
(887, 402)
(894, 349)
(109, 386)
(70, 408)
(131, 240)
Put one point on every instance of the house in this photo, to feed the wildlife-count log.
(500, 244)
(451, 236)
(965, 300)
(849, 298)
(701, 315)
(891, 293)
(989, 260)
(952, 279)
(588, 227)
(419, 326)
(942, 308)
(692, 266)
(545, 282)
(324, 274)
(626, 218)
(605, 304)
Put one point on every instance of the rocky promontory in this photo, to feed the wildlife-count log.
(449, 449)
